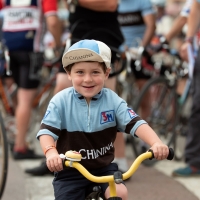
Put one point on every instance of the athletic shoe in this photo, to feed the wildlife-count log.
(40, 170)
(28, 154)
(186, 172)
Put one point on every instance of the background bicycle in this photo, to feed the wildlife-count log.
(167, 109)
(127, 86)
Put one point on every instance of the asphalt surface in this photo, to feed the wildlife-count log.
(152, 183)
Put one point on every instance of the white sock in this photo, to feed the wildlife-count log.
(122, 164)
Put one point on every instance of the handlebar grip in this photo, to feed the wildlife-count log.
(169, 157)
(171, 154)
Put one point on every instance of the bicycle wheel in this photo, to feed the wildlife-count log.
(3, 157)
(157, 104)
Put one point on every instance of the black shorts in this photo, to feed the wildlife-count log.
(70, 184)
(25, 68)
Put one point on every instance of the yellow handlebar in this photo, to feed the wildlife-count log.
(104, 179)
(73, 158)
(136, 164)
(109, 179)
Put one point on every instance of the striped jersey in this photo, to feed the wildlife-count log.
(89, 129)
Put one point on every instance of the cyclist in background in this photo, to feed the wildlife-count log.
(179, 22)
(137, 21)
(192, 148)
(22, 29)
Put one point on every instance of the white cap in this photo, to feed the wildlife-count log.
(87, 50)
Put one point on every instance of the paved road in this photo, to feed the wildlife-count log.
(152, 183)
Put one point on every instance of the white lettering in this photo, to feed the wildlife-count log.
(80, 57)
(90, 153)
(82, 153)
(95, 153)
(129, 19)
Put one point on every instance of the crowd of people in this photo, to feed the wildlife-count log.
(117, 24)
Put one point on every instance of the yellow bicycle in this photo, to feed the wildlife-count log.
(118, 177)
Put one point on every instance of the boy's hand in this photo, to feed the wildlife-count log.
(54, 162)
(160, 151)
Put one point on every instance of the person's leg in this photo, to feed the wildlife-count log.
(20, 66)
(70, 184)
(121, 191)
(62, 82)
(192, 148)
(22, 114)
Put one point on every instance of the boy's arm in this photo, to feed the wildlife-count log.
(53, 160)
(147, 134)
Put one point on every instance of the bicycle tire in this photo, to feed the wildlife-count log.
(3, 157)
(162, 116)
(8, 119)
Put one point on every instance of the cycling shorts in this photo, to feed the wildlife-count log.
(25, 68)
(71, 184)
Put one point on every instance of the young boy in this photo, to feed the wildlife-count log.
(86, 118)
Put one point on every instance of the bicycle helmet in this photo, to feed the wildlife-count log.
(159, 3)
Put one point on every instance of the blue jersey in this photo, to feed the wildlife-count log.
(130, 17)
(186, 8)
(89, 129)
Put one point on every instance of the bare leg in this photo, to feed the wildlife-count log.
(121, 191)
(23, 113)
(62, 82)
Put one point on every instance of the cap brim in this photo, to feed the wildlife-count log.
(80, 55)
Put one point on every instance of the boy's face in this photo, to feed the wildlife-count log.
(88, 78)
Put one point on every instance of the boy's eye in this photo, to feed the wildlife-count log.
(79, 72)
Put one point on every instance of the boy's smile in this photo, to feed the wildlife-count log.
(88, 78)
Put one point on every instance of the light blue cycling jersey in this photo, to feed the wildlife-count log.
(130, 17)
(89, 129)
(186, 8)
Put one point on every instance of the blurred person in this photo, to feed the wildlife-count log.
(192, 148)
(163, 20)
(137, 21)
(23, 30)
(179, 21)
(84, 18)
